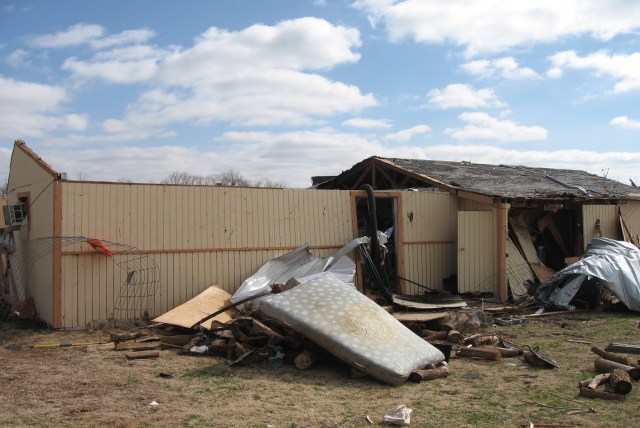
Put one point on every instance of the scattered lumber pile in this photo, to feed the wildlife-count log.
(617, 373)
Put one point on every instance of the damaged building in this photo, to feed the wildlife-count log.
(92, 252)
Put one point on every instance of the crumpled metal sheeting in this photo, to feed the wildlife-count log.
(616, 263)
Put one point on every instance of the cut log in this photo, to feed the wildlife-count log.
(454, 336)
(611, 357)
(620, 381)
(434, 335)
(590, 393)
(305, 360)
(606, 366)
(623, 347)
(482, 353)
(136, 346)
(123, 337)
(509, 353)
(142, 355)
(594, 382)
(420, 375)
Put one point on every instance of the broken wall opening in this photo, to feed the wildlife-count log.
(386, 213)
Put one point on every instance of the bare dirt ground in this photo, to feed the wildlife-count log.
(67, 386)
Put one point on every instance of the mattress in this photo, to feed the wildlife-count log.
(352, 327)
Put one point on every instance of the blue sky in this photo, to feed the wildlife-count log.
(286, 90)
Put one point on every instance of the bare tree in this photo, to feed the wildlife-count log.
(227, 178)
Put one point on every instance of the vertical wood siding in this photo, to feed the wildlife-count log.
(630, 212)
(429, 231)
(477, 263)
(609, 222)
(197, 235)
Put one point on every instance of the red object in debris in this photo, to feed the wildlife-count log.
(100, 246)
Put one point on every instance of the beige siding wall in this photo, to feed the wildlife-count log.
(477, 252)
(26, 176)
(630, 212)
(197, 235)
(429, 229)
(609, 223)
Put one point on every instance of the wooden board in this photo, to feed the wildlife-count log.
(542, 272)
(205, 303)
(418, 317)
(518, 270)
(136, 346)
(524, 239)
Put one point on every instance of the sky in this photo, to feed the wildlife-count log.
(289, 89)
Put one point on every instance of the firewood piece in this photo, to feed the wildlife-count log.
(509, 353)
(609, 356)
(606, 366)
(623, 347)
(123, 337)
(420, 375)
(620, 381)
(482, 353)
(454, 336)
(305, 360)
(434, 335)
(136, 346)
(142, 355)
(594, 382)
(175, 340)
(590, 393)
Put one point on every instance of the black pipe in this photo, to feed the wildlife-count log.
(373, 224)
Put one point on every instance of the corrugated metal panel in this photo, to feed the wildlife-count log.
(609, 223)
(198, 236)
(429, 226)
(477, 263)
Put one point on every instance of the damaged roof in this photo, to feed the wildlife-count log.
(504, 181)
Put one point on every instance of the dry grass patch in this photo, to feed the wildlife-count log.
(70, 387)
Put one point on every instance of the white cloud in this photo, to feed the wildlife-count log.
(358, 122)
(75, 35)
(92, 35)
(625, 122)
(257, 76)
(32, 110)
(481, 126)
(623, 68)
(492, 26)
(507, 68)
(407, 134)
(459, 95)
(18, 58)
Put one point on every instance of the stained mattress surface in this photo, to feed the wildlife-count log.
(352, 327)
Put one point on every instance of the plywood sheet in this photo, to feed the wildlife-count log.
(524, 239)
(518, 270)
(205, 303)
